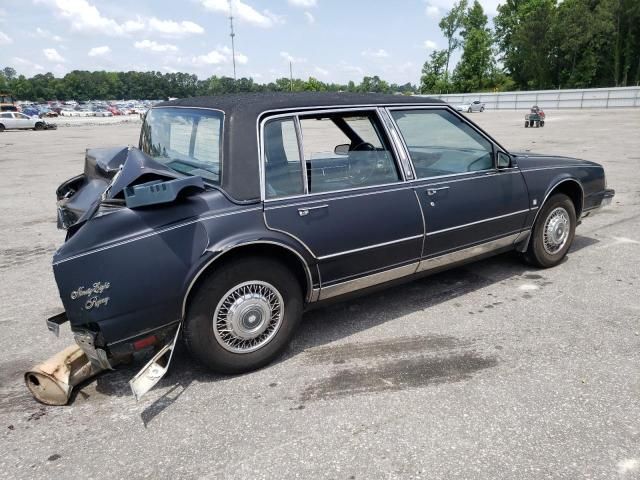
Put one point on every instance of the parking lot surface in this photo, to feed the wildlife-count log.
(493, 370)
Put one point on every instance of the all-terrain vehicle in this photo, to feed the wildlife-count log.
(534, 118)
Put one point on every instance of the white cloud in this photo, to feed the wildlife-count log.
(85, 17)
(153, 46)
(380, 53)
(221, 55)
(353, 69)
(430, 45)
(290, 58)
(310, 18)
(243, 12)
(27, 63)
(490, 6)
(41, 33)
(303, 3)
(321, 71)
(432, 11)
(174, 29)
(53, 55)
(5, 39)
(99, 51)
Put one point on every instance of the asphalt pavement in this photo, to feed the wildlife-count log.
(495, 370)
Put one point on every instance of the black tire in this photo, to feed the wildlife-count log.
(542, 123)
(210, 348)
(537, 124)
(526, 124)
(1, 127)
(481, 109)
(39, 126)
(469, 111)
(545, 257)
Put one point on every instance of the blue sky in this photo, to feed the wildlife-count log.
(331, 40)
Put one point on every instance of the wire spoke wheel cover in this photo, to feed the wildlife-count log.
(556, 230)
(248, 316)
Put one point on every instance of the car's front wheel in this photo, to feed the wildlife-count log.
(553, 232)
(243, 315)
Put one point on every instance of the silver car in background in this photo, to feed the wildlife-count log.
(17, 120)
(474, 106)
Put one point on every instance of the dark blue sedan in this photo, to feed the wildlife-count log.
(237, 213)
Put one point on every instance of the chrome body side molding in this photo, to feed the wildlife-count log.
(467, 253)
(367, 281)
(422, 266)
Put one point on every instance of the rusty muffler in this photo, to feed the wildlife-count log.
(52, 381)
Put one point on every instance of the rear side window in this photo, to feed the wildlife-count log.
(185, 140)
(283, 168)
(440, 143)
(346, 150)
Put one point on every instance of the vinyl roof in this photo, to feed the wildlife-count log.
(256, 103)
(240, 158)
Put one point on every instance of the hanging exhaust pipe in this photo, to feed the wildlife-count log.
(52, 381)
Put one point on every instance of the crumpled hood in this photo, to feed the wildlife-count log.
(527, 160)
(107, 173)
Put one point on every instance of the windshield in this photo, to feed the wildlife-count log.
(184, 139)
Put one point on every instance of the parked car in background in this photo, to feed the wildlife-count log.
(475, 106)
(257, 207)
(19, 120)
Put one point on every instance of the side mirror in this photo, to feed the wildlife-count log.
(504, 160)
(342, 149)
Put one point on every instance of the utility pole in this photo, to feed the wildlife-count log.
(232, 35)
(290, 75)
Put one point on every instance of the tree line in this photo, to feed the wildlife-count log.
(83, 85)
(533, 44)
(537, 44)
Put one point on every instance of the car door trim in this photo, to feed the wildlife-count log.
(369, 247)
(490, 219)
(424, 265)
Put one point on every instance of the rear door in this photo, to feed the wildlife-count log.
(467, 201)
(346, 200)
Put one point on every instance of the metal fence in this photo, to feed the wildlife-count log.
(551, 99)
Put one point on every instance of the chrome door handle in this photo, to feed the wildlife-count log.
(433, 191)
(303, 212)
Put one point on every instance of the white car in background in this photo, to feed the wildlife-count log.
(17, 120)
(474, 106)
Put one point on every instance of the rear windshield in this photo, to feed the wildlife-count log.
(184, 139)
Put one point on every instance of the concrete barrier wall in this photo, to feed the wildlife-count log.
(551, 99)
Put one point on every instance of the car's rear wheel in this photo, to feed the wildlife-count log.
(469, 111)
(243, 315)
(553, 232)
(1, 127)
(526, 124)
(542, 123)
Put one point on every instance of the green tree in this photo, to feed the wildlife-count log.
(434, 73)
(451, 25)
(473, 72)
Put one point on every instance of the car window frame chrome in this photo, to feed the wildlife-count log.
(297, 112)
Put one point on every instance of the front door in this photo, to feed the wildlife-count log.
(345, 200)
(467, 201)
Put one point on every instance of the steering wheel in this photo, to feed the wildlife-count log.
(360, 169)
(475, 161)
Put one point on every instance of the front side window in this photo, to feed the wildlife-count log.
(346, 150)
(186, 140)
(440, 143)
